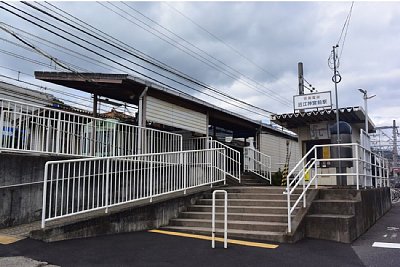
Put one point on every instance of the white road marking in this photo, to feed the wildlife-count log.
(386, 245)
(385, 235)
(390, 228)
(394, 235)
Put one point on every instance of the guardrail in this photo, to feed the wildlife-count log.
(232, 156)
(30, 128)
(257, 163)
(362, 166)
(83, 185)
(232, 159)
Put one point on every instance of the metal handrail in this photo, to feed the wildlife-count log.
(79, 186)
(312, 166)
(232, 159)
(225, 218)
(260, 163)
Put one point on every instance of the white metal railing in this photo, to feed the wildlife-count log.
(257, 163)
(196, 143)
(233, 163)
(82, 185)
(309, 169)
(232, 159)
(225, 218)
(30, 128)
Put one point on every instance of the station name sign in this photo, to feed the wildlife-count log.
(312, 101)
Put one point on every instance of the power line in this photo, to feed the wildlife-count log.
(213, 58)
(196, 55)
(224, 43)
(118, 63)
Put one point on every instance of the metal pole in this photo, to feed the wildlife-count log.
(336, 94)
(301, 78)
(225, 218)
(366, 113)
(341, 180)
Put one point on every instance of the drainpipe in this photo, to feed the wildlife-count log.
(141, 117)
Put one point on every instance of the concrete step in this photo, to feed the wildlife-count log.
(246, 202)
(335, 227)
(232, 233)
(240, 225)
(338, 194)
(253, 184)
(235, 216)
(328, 206)
(265, 196)
(241, 209)
(258, 189)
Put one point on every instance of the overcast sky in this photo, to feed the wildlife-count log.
(258, 43)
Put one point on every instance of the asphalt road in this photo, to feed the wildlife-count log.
(152, 249)
(387, 230)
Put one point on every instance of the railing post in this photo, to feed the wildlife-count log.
(357, 168)
(184, 171)
(1, 127)
(224, 167)
(239, 170)
(151, 178)
(225, 218)
(387, 173)
(288, 207)
(316, 167)
(58, 139)
(114, 149)
(107, 183)
(44, 195)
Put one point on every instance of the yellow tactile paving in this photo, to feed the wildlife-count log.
(8, 239)
(219, 239)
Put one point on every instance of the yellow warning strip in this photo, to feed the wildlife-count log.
(8, 239)
(219, 239)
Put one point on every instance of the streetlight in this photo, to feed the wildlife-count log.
(366, 97)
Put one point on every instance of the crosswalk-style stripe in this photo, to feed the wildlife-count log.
(386, 245)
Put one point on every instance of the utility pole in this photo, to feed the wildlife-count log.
(335, 80)
(340, 179)
(394, 144)
(301, 78)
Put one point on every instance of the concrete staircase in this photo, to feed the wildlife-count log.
(332, 215)
(254, 213)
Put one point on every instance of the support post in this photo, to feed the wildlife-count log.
(225, 218)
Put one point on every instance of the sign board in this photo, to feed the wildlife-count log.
(319, 131)
(312, 101)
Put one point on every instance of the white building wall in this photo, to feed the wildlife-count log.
(176, 116)
(275, 146)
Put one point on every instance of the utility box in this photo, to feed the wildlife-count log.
(345, 132)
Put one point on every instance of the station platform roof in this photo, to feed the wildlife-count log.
(352, 115)
(128, 88)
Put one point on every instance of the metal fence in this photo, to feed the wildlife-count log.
(233, 163)
(257, 163)
(31, 128)
(366, 168)
(77, 186)
(232, 159)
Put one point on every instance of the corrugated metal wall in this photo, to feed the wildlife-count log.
(275, 146)
(172, 115)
